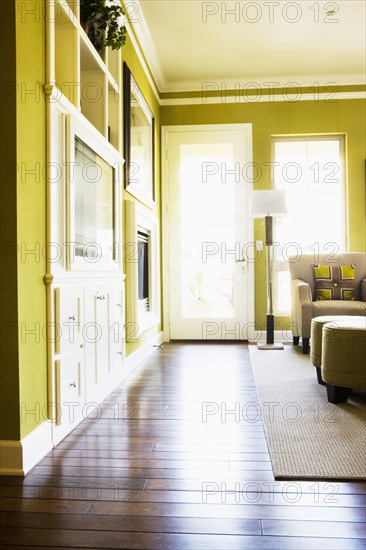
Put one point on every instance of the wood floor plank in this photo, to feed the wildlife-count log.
(216, 465)
(132, 523)
(41, 505)
(200, 447)
(105, 453)
(240, 510)
(171, 473)
(322, 490)
(314, 529)
(109, 539)
(34, 480)
(90, 442)
(210, 493)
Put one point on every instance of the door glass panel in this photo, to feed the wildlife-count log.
(207, 203)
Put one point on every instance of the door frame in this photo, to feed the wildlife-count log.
(165, 132)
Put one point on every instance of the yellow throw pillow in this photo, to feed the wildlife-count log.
(334, 282)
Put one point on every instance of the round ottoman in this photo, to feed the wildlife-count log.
(343, 359)
(317, 324)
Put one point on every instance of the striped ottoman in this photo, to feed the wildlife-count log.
(343, 362)
(317, 324)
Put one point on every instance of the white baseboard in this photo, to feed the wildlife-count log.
(280, 336)
(18, 457)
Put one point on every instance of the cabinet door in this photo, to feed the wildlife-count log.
(117, 331)
(68, 318)
(69, 401)
(96, 333)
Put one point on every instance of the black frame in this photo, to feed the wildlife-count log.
(128, 79)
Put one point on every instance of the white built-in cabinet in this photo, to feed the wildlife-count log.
(85, 283)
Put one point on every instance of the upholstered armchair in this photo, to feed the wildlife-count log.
(303, 304)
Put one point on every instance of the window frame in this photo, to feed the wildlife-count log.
(341, 138)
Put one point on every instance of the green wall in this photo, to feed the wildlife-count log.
(9, 361)
(23, 220)
(283, 118)
(31, 215)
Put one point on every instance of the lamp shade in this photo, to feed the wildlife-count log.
(268, 203)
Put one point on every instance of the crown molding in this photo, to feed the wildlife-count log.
(146, 44)
(264, 98)
(145, 65)
(266, 82)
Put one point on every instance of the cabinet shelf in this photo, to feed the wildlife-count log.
(112, 84)
(72, 5)
(90, 59)
(66, 11)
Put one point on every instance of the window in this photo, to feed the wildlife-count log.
(312, 173)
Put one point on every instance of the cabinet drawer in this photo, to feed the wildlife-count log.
(68, 310)
(68, 388)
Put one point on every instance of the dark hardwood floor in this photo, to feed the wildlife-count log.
(176, 458)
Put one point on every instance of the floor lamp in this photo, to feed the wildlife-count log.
(267, 205)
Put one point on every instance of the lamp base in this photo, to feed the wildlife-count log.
(270, 346)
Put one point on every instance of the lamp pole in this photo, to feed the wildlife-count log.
(269, 264)
(266, 204)
(269, 270)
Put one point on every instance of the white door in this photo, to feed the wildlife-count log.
(208, 233)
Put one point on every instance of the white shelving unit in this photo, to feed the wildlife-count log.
(86, 304)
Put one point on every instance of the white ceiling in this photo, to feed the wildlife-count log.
(189, 42)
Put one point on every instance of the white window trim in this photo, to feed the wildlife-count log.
(341, 138)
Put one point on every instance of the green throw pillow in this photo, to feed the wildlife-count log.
(334, 282)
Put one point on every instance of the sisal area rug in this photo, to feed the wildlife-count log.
(307, 436)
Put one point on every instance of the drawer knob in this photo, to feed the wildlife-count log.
(119, 353)
(73, 385)
(72, 318)
(119, 305)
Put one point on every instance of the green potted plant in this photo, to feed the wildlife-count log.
(102, 20)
